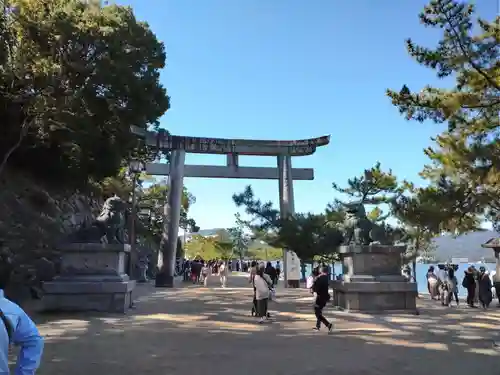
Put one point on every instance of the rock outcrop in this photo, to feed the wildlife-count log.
(33, 219)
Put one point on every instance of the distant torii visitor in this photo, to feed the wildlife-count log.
(232, 148)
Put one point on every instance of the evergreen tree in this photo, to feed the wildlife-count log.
(308, 235)
(375, 187)
(465, 163)
(421, 220)
(74, 76)
(239, 237)
(153, 199)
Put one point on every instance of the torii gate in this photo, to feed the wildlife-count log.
(232, 148)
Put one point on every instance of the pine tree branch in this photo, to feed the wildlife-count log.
(458, 39)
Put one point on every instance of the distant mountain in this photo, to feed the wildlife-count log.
(448, 247)
(464, 246)
(209, 232)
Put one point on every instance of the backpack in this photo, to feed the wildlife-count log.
(7, 324)
(465, 284)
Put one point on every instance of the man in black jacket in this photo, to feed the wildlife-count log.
(320, 289)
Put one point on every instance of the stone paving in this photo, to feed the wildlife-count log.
(196, 330)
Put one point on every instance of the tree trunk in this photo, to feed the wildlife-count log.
(15, 146)
(164, 276)
(414, 262)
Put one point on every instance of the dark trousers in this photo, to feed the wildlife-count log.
(318, 311)
(471, 293)
(455, 294)
(254, 303)
(262, 307)
(485, 301)
(485, 298)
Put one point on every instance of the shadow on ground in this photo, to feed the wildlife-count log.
(194, 330)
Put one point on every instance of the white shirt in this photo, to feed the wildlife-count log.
(262, 286)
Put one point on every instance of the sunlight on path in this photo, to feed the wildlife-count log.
(171, 328)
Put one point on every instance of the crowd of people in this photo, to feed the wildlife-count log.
(199, 270)
(443, 286)
(264, 277)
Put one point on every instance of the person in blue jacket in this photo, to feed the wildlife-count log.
(17, 328)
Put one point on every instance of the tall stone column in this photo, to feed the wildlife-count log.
(287, 206)
(172, 212)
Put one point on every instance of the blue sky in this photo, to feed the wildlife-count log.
(292, 69)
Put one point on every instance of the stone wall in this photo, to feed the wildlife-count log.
(34, 218)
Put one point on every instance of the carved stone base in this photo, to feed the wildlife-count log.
(108, 296)
(93, 278)
(293, 283)
(372, 281)
(375, 297)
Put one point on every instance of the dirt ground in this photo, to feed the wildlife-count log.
(196, 330)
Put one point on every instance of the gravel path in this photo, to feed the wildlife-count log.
(195, 330)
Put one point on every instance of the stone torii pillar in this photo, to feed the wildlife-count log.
(287, 208)
(172, 211)
(231, 148)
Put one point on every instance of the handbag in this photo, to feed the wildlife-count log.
(272, 295)
(272, 291)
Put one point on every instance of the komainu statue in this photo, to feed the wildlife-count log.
(359, 230)
(357, 226)
(109, 227)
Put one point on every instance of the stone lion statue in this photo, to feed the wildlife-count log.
(359, 230)
(109, 227)
(357, 226)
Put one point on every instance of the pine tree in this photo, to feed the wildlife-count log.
(374, 187)
(465, 163)
(240, 239)
(421, 220)
(308, 235)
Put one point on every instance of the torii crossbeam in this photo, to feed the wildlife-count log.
(177, 170)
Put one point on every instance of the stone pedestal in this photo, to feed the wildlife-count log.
(92, 278)
(373, 282)
(295, 284)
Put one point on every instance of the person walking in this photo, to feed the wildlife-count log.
(271, 272)
(251, 279)
(485, 293)
(18, 329)
(432, 283)
(263, 286)
(205, 273)
(469, 283)
(320, 289)
(223, 274)
(278, 271)
(453, 282)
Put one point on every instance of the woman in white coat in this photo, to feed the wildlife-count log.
(263, 285)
